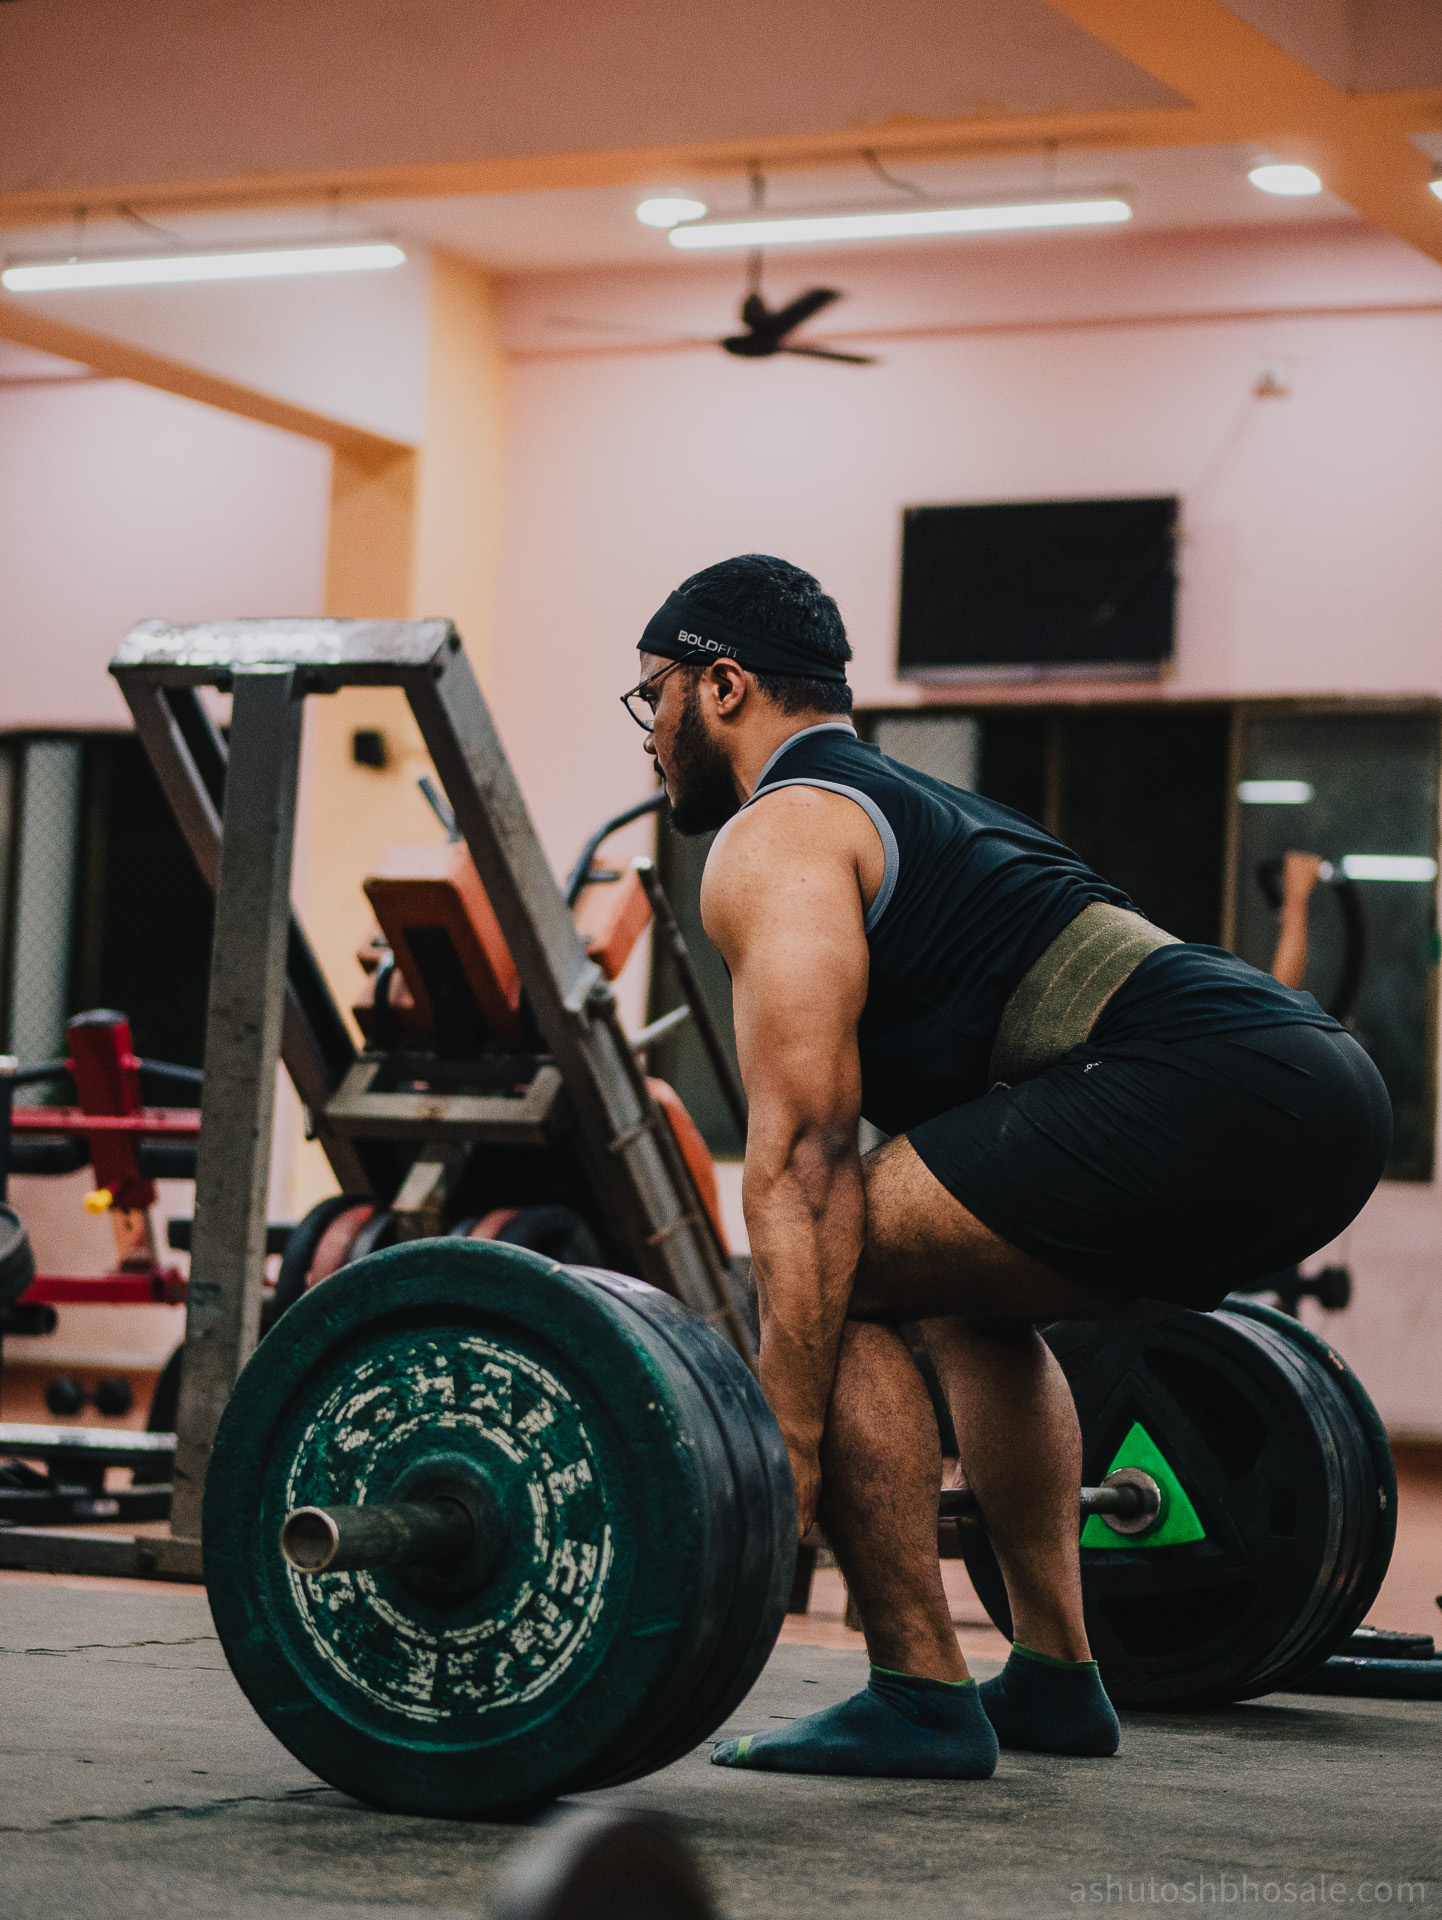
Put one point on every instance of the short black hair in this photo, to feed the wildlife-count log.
(784, 600)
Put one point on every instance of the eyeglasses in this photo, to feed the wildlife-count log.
(640, 702)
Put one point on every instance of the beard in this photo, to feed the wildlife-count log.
(701, 791)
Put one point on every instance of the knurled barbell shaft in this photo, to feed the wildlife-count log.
(1128, 1501)
(399, 1533)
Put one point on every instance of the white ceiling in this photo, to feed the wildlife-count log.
(519, 233)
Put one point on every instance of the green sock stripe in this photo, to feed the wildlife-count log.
(1046, 1660)
(743, 1747)
(892, 1674)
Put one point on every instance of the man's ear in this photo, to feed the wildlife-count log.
(729, 687)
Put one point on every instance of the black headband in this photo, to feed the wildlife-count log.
(684, 630)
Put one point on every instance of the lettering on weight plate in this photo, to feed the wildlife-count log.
(516, 1421)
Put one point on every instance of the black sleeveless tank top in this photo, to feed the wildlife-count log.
(972, 893)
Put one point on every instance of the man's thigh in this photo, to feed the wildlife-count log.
(927, 1255)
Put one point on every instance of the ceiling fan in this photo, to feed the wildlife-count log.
(769, 332)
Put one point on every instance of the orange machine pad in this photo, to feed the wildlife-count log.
(439, 887)
(611, 916)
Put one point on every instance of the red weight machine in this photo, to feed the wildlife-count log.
(126, 1142)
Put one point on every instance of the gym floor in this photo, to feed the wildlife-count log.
(137, 1782)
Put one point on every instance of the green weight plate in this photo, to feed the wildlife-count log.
(575, 1423)
(1266, 1448)
(764, 1547)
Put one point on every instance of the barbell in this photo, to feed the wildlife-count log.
(446, 1528)
(481, 1529)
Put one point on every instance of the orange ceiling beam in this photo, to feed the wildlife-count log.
(1357, 143)
(119, 360)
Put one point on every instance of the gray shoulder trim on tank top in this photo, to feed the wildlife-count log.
(805, 733)
(873, 813)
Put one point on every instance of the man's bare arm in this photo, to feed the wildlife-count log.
(783, 901)
(1300, 874)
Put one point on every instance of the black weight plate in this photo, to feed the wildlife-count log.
(377, 1232)
(1350, 1520)
(717, 1680)
(1387, 1643)
(1253, 1438)
(17, 1263)
(1372, 1679)
(1378, 1496)
(558, 1232)
(486, 1363)
(300, 1250)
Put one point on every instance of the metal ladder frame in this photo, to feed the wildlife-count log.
(269, 1001)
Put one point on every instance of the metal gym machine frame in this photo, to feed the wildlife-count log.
(269, 1002)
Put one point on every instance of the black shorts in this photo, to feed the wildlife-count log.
(1173, 1170)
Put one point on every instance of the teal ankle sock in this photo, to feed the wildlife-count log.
(901, 1727)
(1041, 1705)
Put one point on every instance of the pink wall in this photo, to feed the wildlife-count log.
(1311, 558)
(1030, 369)
(118, 504)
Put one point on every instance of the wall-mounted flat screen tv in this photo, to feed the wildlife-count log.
(1031, 589)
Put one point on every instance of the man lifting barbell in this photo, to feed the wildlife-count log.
(1089, 1119)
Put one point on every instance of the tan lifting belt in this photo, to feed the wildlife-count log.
(1055, 1005)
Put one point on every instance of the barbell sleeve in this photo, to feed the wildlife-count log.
(1136, 1498)
(400, 1533)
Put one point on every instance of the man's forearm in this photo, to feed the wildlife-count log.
(805, 1218)
(1289, 962)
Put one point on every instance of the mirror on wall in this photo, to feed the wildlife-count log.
(1361, 791)
(101, 904)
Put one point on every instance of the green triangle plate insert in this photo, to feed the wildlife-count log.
(1179, 1522)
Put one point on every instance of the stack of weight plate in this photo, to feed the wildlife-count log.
(1279, 1503)
(628, 1581)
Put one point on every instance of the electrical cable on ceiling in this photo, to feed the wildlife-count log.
(868, 154)
(149, 226)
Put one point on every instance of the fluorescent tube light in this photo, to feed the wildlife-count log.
(174, 269)
(1274, 793)
(669, 209)
(796, 229)
(1273, 176)
(1388, 866)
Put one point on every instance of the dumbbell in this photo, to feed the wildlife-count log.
(481, 1529)
(1331, 1288)
(111, 1396)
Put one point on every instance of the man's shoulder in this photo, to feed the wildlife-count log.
(799, 820)
(775, 840)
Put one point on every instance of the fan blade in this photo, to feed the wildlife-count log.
(802, 308)
(825, 353)
(749, 346)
